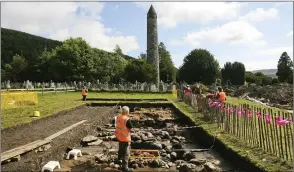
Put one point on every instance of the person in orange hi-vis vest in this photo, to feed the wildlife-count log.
(221, 95)
(123, 134)
(84, 93)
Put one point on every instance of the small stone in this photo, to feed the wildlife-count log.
(158, 138)
(116, 166)
(89, 138)
(156, 146)
(135, 166)
(178, 162)
(149, 135)
(173, 155)
(177, 146)
(95, 143)
(197, 161)
(107, 145)
(170, 164)
(99, 129)
(216, 162)
(108, 125)
(135, 137)
(111, 165)
(188, 156)
(101, 158)
(174, 141)
(155, 163)
(163, 154)
(168, 156)
(138, 141)
(209, 167)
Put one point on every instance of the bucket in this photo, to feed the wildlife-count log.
(36, 113)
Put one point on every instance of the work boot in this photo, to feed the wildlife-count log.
(128, 170)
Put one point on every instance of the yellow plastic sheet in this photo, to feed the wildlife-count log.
(18, 99)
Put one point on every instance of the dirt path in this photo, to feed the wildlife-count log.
(17, 136)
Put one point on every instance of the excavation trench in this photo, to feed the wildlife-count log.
(163, 140)
(176, 148)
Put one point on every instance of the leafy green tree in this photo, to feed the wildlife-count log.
(139, 70)
(118, 50)
(226, 72)
(199, 66)
(275, 80)
(72, 61)
(143, 56)
(285, 68)
(166, 66)
(233, 72)
(18, 66)
(250, 77)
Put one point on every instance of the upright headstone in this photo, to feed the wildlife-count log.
(8, 86)
(152, 42)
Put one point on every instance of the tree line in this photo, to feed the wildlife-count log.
(201, 66)
(29, 57)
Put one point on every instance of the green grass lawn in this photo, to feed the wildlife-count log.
(52, 103)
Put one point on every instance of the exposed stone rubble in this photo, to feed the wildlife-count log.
(167, 139)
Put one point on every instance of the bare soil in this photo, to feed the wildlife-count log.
(20, 135)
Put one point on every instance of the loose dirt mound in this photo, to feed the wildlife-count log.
(275, 95)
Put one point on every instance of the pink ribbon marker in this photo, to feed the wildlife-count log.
(249, 114)
(258, 114)
(268, 119)
(240, 113)
(283, 122)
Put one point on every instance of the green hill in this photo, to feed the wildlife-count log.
(25, 44)
(28, 45)
(268, 72)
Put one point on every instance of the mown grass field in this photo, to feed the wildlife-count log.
(50, 104)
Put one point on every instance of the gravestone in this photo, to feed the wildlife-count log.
(52, 85)
(8, 85)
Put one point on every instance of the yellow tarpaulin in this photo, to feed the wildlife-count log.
(18, 99)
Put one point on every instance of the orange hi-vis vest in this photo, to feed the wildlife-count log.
(84, 93)
(222, 97)
(121, 132)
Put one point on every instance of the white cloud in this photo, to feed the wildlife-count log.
(61, 20)
(170, 14)
(260, 14)
(290, 33)
(277, 52)
(234, 32)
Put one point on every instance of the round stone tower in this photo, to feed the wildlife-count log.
(152, 42)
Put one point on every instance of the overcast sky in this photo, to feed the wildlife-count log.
(255, 33)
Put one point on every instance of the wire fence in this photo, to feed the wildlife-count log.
(268, 128)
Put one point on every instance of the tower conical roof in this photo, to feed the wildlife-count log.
(151, 12)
